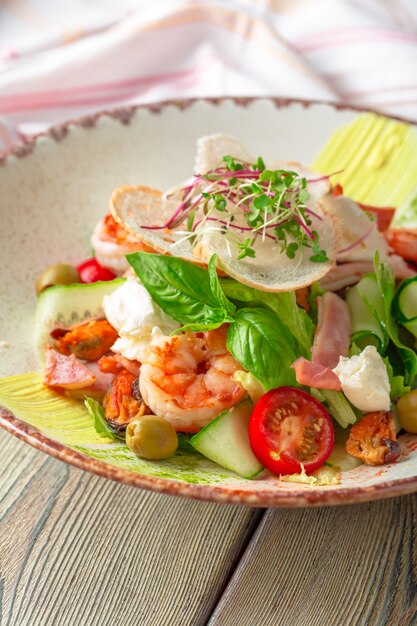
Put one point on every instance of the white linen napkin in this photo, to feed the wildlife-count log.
(61, 60)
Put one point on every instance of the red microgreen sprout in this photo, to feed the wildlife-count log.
(239, 197)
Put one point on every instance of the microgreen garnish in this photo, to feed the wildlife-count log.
(245, 202)
(245, 249)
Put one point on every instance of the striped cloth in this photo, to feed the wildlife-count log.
(60, 60)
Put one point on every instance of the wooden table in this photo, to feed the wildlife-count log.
(77, 550)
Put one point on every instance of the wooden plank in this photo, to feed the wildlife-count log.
(76, 549)
(353, 565)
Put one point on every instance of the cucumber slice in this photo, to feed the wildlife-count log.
(366, 307)
(226, 441)
(66, 305)
(404, 305)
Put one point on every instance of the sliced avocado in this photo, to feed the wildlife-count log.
(226, 441)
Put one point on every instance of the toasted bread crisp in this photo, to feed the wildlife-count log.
(141, 207)
(212, 148)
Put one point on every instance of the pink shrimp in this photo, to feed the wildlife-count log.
(188, 380)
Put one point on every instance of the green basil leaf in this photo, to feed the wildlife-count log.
(263, 346)
(216, 287)
(183, 290)
(96, 412)
(292, 317)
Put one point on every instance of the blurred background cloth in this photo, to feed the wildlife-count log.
(59, 60)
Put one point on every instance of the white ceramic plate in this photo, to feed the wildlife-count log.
(53, 191)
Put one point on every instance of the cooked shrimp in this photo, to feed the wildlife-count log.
(187, 378)
(403, 241)
(111, 243)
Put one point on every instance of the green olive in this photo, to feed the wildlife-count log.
(151, 437)
(59, 274)
(407, 411)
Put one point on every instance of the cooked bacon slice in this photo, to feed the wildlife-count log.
(345, 274)
(373, 439)
(315, 375)
(332, 337)
(65, 371)
(331, 341)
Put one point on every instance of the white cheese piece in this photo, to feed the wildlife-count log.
(136, 317)
(364, 380)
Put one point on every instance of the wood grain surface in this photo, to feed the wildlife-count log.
(77, 550)
(350, 565)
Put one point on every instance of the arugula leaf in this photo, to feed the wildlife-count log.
(186, 292)
(96, 412)
(294, 319)
(263, 346)
(386, 283)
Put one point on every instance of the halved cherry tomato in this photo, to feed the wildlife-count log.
(90, 272)
(289, 430)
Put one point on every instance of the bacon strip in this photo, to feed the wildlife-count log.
(331, 341)
(315, 375)
(332, 338)
(347, 274)
(65, 371)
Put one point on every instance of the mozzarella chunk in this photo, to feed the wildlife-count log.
(364, 380)
(136, 317)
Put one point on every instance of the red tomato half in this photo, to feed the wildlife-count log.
(288, 428)
(90, 272)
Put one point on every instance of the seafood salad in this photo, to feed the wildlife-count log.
(253, 312)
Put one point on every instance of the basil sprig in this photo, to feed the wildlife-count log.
(267, 332)
(283, 304)
(263, 345)
(188, 293)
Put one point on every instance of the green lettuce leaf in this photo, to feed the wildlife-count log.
(398, 387)
(96, 412)
(386, 283)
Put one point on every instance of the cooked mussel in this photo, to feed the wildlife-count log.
(123, 401)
